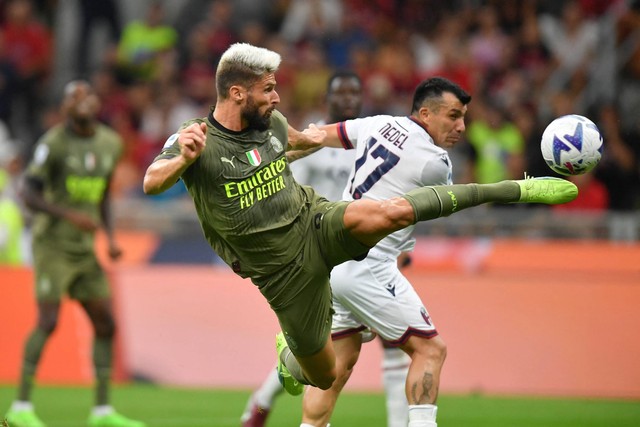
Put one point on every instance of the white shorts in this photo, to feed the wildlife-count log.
(374, 294)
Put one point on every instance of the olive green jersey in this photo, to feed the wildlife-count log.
(75, 173)
(245, 196)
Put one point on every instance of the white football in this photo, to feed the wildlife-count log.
(571, 145)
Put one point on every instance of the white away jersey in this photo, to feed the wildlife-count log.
(394, 155)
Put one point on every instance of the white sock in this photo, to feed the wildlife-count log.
(423, 415)
(268, 391)
(102, 410)
(395, 365)
(306, 425)
(21, 405)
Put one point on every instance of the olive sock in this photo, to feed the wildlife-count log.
(289, 360)
(102, 357)
(32, 352)
(444, 200)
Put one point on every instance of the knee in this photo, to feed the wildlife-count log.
(434, 350)
(438, 350)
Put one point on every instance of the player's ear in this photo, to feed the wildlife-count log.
(424, 113)
(237, 94)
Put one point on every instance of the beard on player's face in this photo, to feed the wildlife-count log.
(251, 113)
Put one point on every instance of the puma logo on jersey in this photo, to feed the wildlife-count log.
(230, 161)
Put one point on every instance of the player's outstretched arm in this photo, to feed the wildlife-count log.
(163, 173)
(310, 140)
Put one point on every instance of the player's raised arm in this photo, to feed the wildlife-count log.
(312, 139)
(163, 173)
(332, 138)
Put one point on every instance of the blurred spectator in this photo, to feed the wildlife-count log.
(28, 46)
(628, 50)
(145, 44)
(589, 209)
(497, 144)
(351, 37)
(525, 119)
(198, 71)
(168, 110)
(12, 228)
(269, 13)
(487, 43)
(92, 13)
(380, 97)
(572, 40)
(311, 20)
(592, 197)
(253, 32)
(619, 171)
(112, 94)
(533, 58)
(221, 33)
(46, 11)
(212, 17)
(8, 84)
(311, 74)
(452, 44)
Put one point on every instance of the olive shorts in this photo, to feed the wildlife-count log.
(300, 293)
(57, 273)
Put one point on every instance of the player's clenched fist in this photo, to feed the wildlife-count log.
(192, 141)
(164, 172)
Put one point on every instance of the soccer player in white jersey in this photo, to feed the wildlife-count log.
(394, 155)
(327, 172)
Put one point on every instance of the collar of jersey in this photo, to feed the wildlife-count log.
(221, 128)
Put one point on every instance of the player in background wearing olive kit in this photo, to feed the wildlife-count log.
(282, 235)
(67, 187)
(327, 172)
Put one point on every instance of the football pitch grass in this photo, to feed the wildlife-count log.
(163, 406)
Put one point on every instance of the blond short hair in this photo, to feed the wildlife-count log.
(243, 64)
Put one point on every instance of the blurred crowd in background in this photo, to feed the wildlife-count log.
(524, 62)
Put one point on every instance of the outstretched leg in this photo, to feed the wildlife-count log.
(369, 220)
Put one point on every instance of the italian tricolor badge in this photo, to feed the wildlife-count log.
(254, 157)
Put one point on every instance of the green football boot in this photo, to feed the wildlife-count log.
(290, 384)
(547, 190)
(113, 420)
(24, 418)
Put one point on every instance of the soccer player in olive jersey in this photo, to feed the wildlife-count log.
(282, 235)
(67, 187)
(327, 172)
